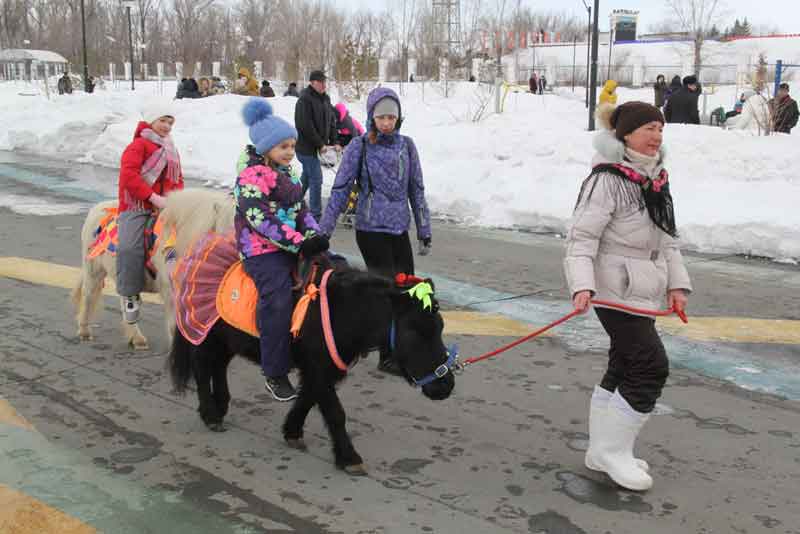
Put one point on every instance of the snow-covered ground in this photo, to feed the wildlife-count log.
(735, 192)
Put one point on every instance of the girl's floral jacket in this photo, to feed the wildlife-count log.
(270, 212)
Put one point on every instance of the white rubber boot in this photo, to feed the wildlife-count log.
(598, 407)
(615, 435)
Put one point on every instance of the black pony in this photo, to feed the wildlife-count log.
(366, 311)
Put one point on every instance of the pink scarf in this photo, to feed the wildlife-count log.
(165, 157)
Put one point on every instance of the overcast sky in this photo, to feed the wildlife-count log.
(784, 14)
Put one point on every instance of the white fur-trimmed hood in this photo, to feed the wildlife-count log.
(608, 148)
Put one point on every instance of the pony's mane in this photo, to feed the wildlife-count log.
(351, 278)
(194, 212)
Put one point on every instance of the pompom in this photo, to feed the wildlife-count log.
(256, 109)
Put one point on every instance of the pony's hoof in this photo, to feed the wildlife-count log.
(297, 443)
(138, 344)
(357, 470)
(85, 336)
(217, 427)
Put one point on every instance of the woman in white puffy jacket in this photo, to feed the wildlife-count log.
(621, 248)
(755, 115)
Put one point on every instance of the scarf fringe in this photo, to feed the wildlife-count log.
(638, 191)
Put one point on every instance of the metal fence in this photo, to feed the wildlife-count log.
(567, 75)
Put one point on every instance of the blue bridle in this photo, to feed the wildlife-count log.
(439, 372)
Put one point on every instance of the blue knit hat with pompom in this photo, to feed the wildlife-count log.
(266, 129)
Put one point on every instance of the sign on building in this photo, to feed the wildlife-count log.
(624, 22)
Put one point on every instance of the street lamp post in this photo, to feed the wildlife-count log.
(128, 4)
(588, 47)
(593, 81)
(85, 60)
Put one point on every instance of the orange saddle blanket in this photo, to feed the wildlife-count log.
(210, 283)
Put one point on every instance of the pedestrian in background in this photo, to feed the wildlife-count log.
(660, 91)
(316, 127)
(609, 93)
(682, 106)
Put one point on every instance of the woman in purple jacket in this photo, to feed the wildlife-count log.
(386, 166)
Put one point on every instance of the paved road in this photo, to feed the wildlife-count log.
(115, 450)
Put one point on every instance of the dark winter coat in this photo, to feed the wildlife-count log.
(315, 121)
(396, 176)
(266, 91)
(533, 84)
(64, 85)
(784, 114)
(188, 89)
(660, 90)
(682, 107)
(291, 91)
(674, 86)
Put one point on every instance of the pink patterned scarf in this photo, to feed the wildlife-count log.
(165, 157)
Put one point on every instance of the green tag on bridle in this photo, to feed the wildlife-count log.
(422, 292)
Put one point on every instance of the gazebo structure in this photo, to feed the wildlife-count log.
(21, 63)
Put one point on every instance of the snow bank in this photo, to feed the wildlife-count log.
(735, 192)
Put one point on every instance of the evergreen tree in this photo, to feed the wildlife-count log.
(737, 29)
(746, 30)
(713, 33)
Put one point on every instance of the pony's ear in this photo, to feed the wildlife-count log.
(430, 281)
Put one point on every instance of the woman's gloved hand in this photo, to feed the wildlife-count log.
(424, 246)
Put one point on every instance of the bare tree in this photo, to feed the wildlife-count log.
(146, 9)
(185, 20)
(696, 17)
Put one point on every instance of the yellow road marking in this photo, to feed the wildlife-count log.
(734, 329)
(484, 324)
(727, 329)
(54, 274)
(21, 514)
(9, 416)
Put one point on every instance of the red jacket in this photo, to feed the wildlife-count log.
(133, 189)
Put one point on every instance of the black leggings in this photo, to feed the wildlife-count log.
(386, 254)
(637, 362)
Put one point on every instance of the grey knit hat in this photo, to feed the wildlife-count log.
(386, 106)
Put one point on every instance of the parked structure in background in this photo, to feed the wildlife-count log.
(24, 64)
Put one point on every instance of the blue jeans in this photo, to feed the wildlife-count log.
(272, 275)
(312, 180)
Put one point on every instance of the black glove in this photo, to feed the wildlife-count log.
(314, 245)
(424, 246)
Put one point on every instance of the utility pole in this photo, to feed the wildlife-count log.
(610, 48)
(128, 5)
(85, 60)
(593, 77)
(588, 47)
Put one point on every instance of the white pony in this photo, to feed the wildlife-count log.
(192, 212)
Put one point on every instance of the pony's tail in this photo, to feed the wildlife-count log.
(180, 362)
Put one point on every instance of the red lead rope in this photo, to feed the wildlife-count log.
(604, 303)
